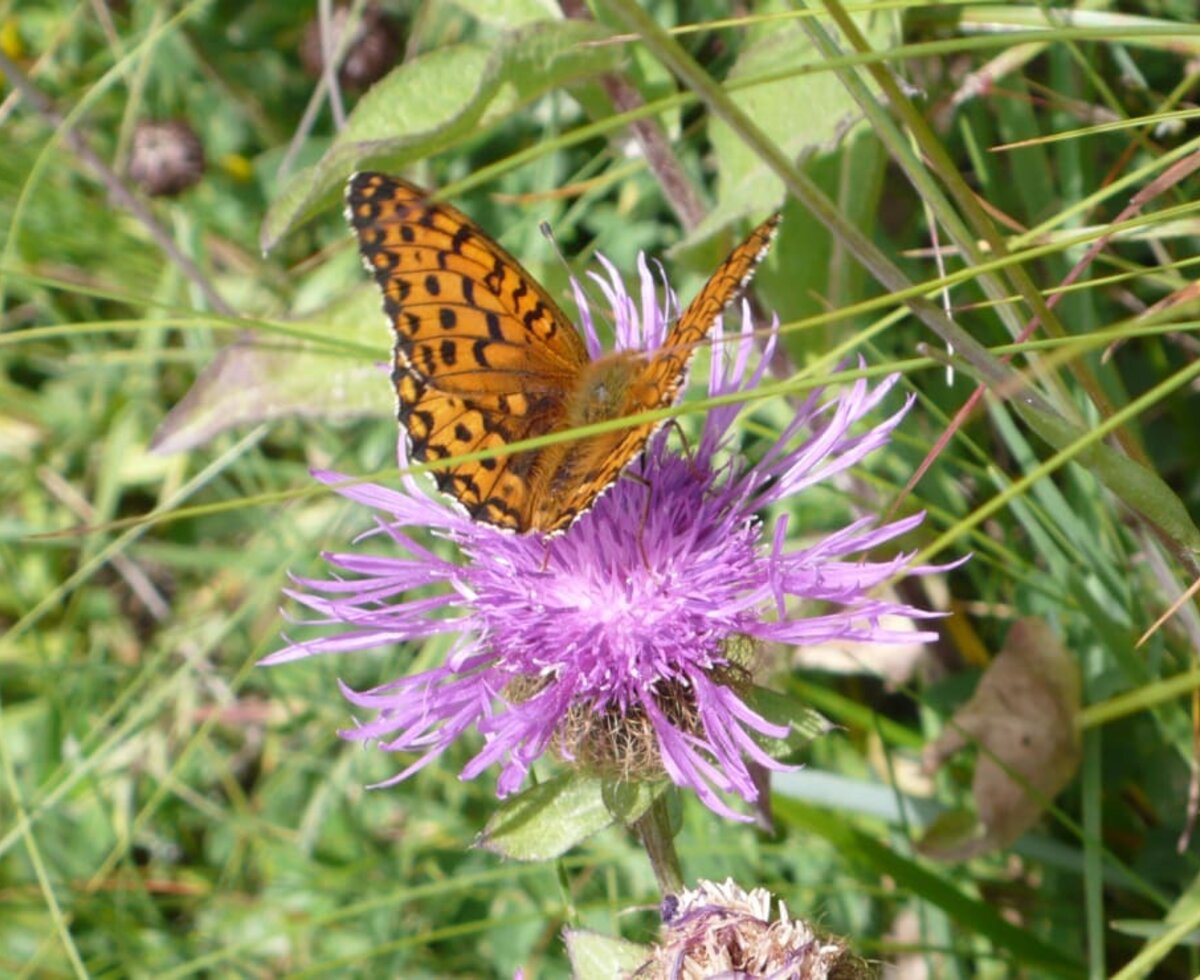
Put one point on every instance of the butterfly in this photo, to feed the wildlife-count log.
(485, 358)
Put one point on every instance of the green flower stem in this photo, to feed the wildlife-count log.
(654, 830)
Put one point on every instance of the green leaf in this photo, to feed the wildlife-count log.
(1140, 488)
(1151, 928)
(954, 835)
(547, 820)
(264, 377)
(804, 723)
(437, 100)
(598, 957)
(796, 290)
(809, 112)
(627, 801)
(509, 13)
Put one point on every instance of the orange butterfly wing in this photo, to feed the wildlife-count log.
(483, 357)
(591, 465)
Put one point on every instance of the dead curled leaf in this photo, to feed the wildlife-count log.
(1023, 716)
(261, 378)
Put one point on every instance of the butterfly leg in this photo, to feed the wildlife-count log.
(687, 449)
(641, 534)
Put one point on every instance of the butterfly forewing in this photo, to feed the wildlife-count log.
(444, 279)
(666, 372)
(483, 356)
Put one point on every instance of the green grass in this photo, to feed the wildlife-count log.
(169, 808)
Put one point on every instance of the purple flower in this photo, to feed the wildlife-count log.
(610, 643)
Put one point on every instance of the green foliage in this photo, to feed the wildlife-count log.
(546, 821)
(436, 101)
(168, 807)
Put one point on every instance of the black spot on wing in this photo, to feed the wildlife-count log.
(498, 512)
(495, 331)
(479, 352)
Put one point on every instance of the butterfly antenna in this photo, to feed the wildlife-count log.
(595, 303)
(548, 234)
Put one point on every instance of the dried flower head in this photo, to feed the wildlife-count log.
(166, 158)
(720, 930)
(370, 53)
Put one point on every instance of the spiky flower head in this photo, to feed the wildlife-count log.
(615, 645)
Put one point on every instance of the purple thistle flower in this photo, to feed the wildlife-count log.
(628, 615)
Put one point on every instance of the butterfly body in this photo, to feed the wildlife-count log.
(485, 358)
(608, 389)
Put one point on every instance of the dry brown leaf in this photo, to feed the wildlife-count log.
(1023, 717)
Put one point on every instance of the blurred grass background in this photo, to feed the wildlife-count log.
(168, 808)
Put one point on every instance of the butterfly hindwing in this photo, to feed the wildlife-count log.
(441, 425)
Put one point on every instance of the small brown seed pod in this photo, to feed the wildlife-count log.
(371, 52)
(167, 157)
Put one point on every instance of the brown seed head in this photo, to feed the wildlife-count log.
(166, 158)
(371, 53)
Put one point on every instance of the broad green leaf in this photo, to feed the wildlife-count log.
(808, 112)
(598, 957)
(437, 100)
(808, 270)
(264, 377)
(547, 820)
